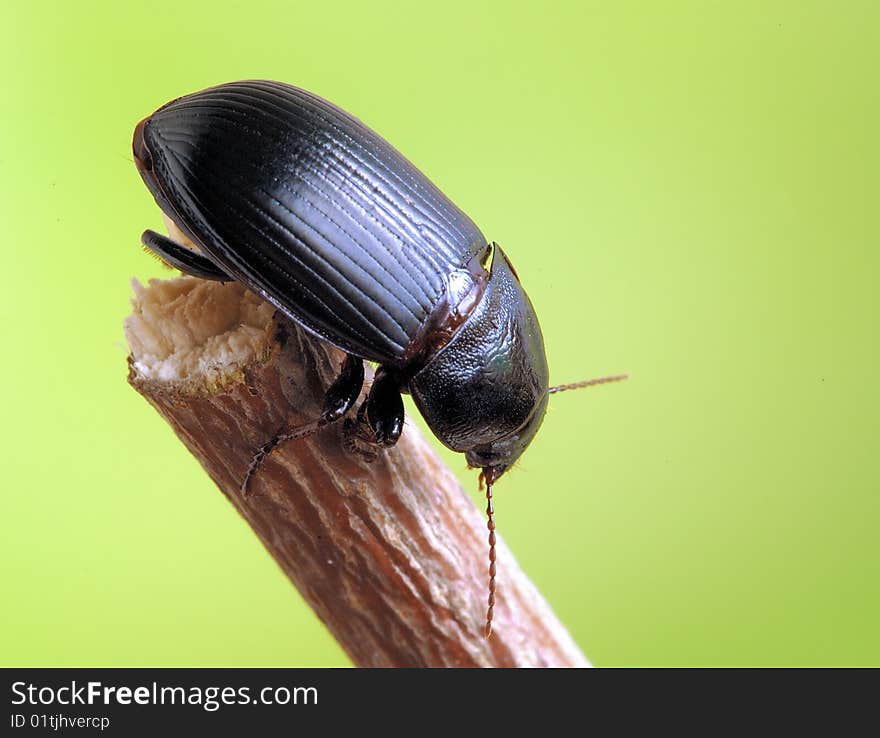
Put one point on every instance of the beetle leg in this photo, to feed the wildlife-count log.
(380, 417)
(344, 391)
(384, 408)
(182, 258)
(338, 400)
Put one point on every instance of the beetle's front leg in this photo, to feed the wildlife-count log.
(343, 393)
(380, 418)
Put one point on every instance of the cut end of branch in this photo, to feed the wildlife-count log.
(189, 330)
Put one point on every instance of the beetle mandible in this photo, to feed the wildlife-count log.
(307, 207)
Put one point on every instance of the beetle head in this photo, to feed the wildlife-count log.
(485, 392)
(499, 455)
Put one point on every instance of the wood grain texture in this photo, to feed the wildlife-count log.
(391, 555)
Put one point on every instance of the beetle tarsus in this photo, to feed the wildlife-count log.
(338, 400)
(268, 447)
(359, 441)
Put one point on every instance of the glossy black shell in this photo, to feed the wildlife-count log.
(305, 205)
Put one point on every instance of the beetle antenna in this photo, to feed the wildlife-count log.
(487, 476)
(588, 383)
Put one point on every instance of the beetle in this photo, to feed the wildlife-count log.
(306, 206)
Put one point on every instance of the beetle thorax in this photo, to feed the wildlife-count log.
(490, 380)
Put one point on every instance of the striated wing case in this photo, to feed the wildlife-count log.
(308, 207)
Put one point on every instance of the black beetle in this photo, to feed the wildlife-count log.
(306, 206)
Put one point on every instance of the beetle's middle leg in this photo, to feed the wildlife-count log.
(380, 418)
(338, 400)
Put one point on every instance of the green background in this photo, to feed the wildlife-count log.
(689, 192)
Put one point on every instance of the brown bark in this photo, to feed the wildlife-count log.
(391, 555)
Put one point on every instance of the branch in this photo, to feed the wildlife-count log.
(391, 555)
